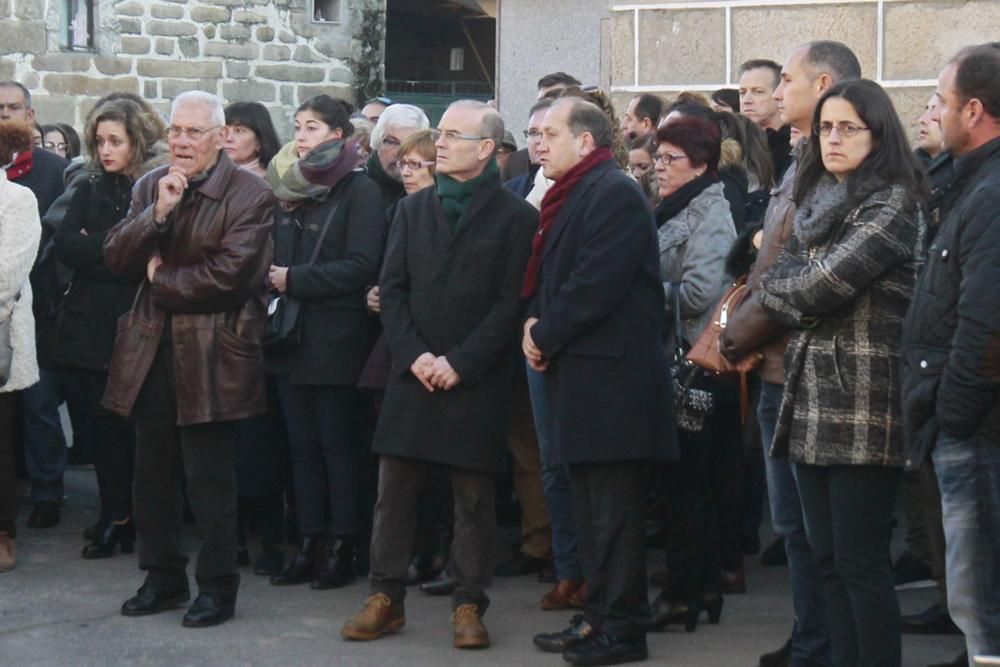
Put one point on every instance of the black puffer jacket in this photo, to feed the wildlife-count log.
(951, 339)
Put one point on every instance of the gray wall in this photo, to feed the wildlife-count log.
(541, 36)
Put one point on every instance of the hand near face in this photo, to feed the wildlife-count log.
(278, 277)
(170, 189)
(443, 376)
(423, 368)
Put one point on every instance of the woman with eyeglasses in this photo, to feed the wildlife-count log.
(844, 281)
(123, 144)
(695, 232)
(329, 234)
(61, 139)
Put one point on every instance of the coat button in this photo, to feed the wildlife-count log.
(944, 254)
(923, 363)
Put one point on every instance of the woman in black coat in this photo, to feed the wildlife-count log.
(323, 194)
(123, 144)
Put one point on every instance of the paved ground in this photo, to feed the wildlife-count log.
(57, 609)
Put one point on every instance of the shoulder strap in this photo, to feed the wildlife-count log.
(324, 230)
(675, 293)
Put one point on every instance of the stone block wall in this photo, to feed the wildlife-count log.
(267, 51)
(666, 46)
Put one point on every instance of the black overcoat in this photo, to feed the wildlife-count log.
(601, 310)
(458, 296)
(335, 332)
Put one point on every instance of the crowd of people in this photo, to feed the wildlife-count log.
(366, 341)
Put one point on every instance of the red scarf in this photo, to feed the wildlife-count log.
(20, 166)
(552, 203)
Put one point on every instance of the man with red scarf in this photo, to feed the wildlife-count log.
(595, 329)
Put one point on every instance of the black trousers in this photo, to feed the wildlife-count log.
(608, 503)
(203, 456)
(8, 498)
(401, 484)
(114, 443)
(847, 511)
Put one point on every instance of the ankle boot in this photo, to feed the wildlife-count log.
(339, 569)
(113, 532)
(303, 566)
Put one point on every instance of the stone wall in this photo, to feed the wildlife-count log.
(680, 45)
(267, 51)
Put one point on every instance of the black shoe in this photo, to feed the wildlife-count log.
(442, 584)
(774, 555)
(113, 533)
(521, 564)
(210, 609)
(910, 572)
(665, 612)
(419, 570)
(557, 642)
(779, 658)
(712, 604)
(935, 620)
(151, 599)
(605, 649)
(339, 569)
(303, 567)
(269, 562)
(44, 515)
(90, 532)
(961, 661)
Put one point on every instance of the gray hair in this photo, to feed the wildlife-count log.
(833, 58)
(401, 116)
(585, 116)
(492, 125)
(24, 90)
(213, 103)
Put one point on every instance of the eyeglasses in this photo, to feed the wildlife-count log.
(532, 134)
(414, 164)
(450, 136)
(667, 158)
(844, 129)
(192, 133)
(51, 145)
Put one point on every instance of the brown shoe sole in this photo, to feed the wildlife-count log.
(472, 643)
(395, 625)
(550, 605)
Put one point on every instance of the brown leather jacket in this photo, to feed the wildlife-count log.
(216, 249)
(750, 328)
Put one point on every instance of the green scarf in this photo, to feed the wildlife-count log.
(456, 195)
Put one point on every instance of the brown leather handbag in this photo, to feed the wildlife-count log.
(705, 352)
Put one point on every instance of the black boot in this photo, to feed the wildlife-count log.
(110, 533)
(303, 567)
(339, 569)
(665, 612)
(211, 609)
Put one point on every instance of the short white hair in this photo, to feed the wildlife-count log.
(213, 103)
(404, 116)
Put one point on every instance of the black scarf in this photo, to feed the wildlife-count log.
(673, 204)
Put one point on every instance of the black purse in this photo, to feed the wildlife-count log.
(691, 404)
(283, 327)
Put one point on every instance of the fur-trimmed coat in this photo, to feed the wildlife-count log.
(844, 280)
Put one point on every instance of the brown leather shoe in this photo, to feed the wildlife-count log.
(379, 617)
(558, 598)
(8, 552)
(578, 600)
(469, 629)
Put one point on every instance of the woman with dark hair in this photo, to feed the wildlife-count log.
(251, 140)
(329, 233)
(844, 282)
(640, 166)
(122, 146)
(61, 139)
(726, 99)
(695, 233)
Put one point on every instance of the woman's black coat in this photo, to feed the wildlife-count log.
(84, 332)
(458, 296)
(601, 309)
(334, 343)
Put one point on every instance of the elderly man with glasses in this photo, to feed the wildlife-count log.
(187, 360)
(450, 300)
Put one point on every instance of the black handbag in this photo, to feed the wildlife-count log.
(691, 404)
(283, 327)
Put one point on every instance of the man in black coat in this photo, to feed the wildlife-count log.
(451, 305)
(595, 329)
(951, 349)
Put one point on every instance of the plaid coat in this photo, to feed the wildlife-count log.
(844, 281)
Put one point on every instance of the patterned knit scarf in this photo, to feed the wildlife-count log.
(552, 203)
(313, 176)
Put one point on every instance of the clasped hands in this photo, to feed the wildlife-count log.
(531, 351)
(434, 372)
